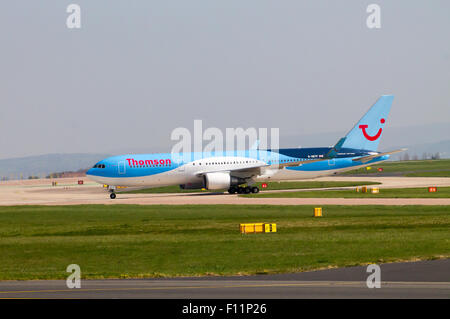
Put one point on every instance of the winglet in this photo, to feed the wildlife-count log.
(336, 148)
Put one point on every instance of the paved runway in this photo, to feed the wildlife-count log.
(40, 192)
(424, 279)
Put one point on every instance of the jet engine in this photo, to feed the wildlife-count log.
(221, 180)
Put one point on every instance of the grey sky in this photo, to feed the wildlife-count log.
(138, 69)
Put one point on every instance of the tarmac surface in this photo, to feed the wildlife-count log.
(68, 192)
(422, 279)
(425, 279)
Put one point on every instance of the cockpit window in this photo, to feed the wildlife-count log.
(99, 166)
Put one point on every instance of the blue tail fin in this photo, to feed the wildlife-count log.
(366, 134)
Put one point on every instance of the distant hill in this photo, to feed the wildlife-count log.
(393, 136)
(418, 139)
(43, 165)
(425, 151)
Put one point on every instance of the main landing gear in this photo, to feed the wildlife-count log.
(243, 190)
(112, 195)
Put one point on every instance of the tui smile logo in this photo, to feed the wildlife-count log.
(367, 136)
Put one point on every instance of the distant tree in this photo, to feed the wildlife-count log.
(406, 157)
(415, 157)
(424, 156)
(436, 156)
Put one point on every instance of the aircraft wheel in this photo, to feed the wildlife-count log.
(240, 190)
(255, 190)
(232, 190)
(247, 190)
(112, 195)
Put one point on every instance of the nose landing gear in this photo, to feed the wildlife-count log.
(112, 190)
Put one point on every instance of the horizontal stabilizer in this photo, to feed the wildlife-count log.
(368, 158)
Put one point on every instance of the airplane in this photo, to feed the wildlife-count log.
(229, 170)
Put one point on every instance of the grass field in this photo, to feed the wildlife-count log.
(425, 168)
(120, 241)
(270, 186)
(443, 192)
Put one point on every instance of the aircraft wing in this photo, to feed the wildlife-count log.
(249, 170)
(368, 158)
(255, 169)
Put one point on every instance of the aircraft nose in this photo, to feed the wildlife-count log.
(90, 171)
